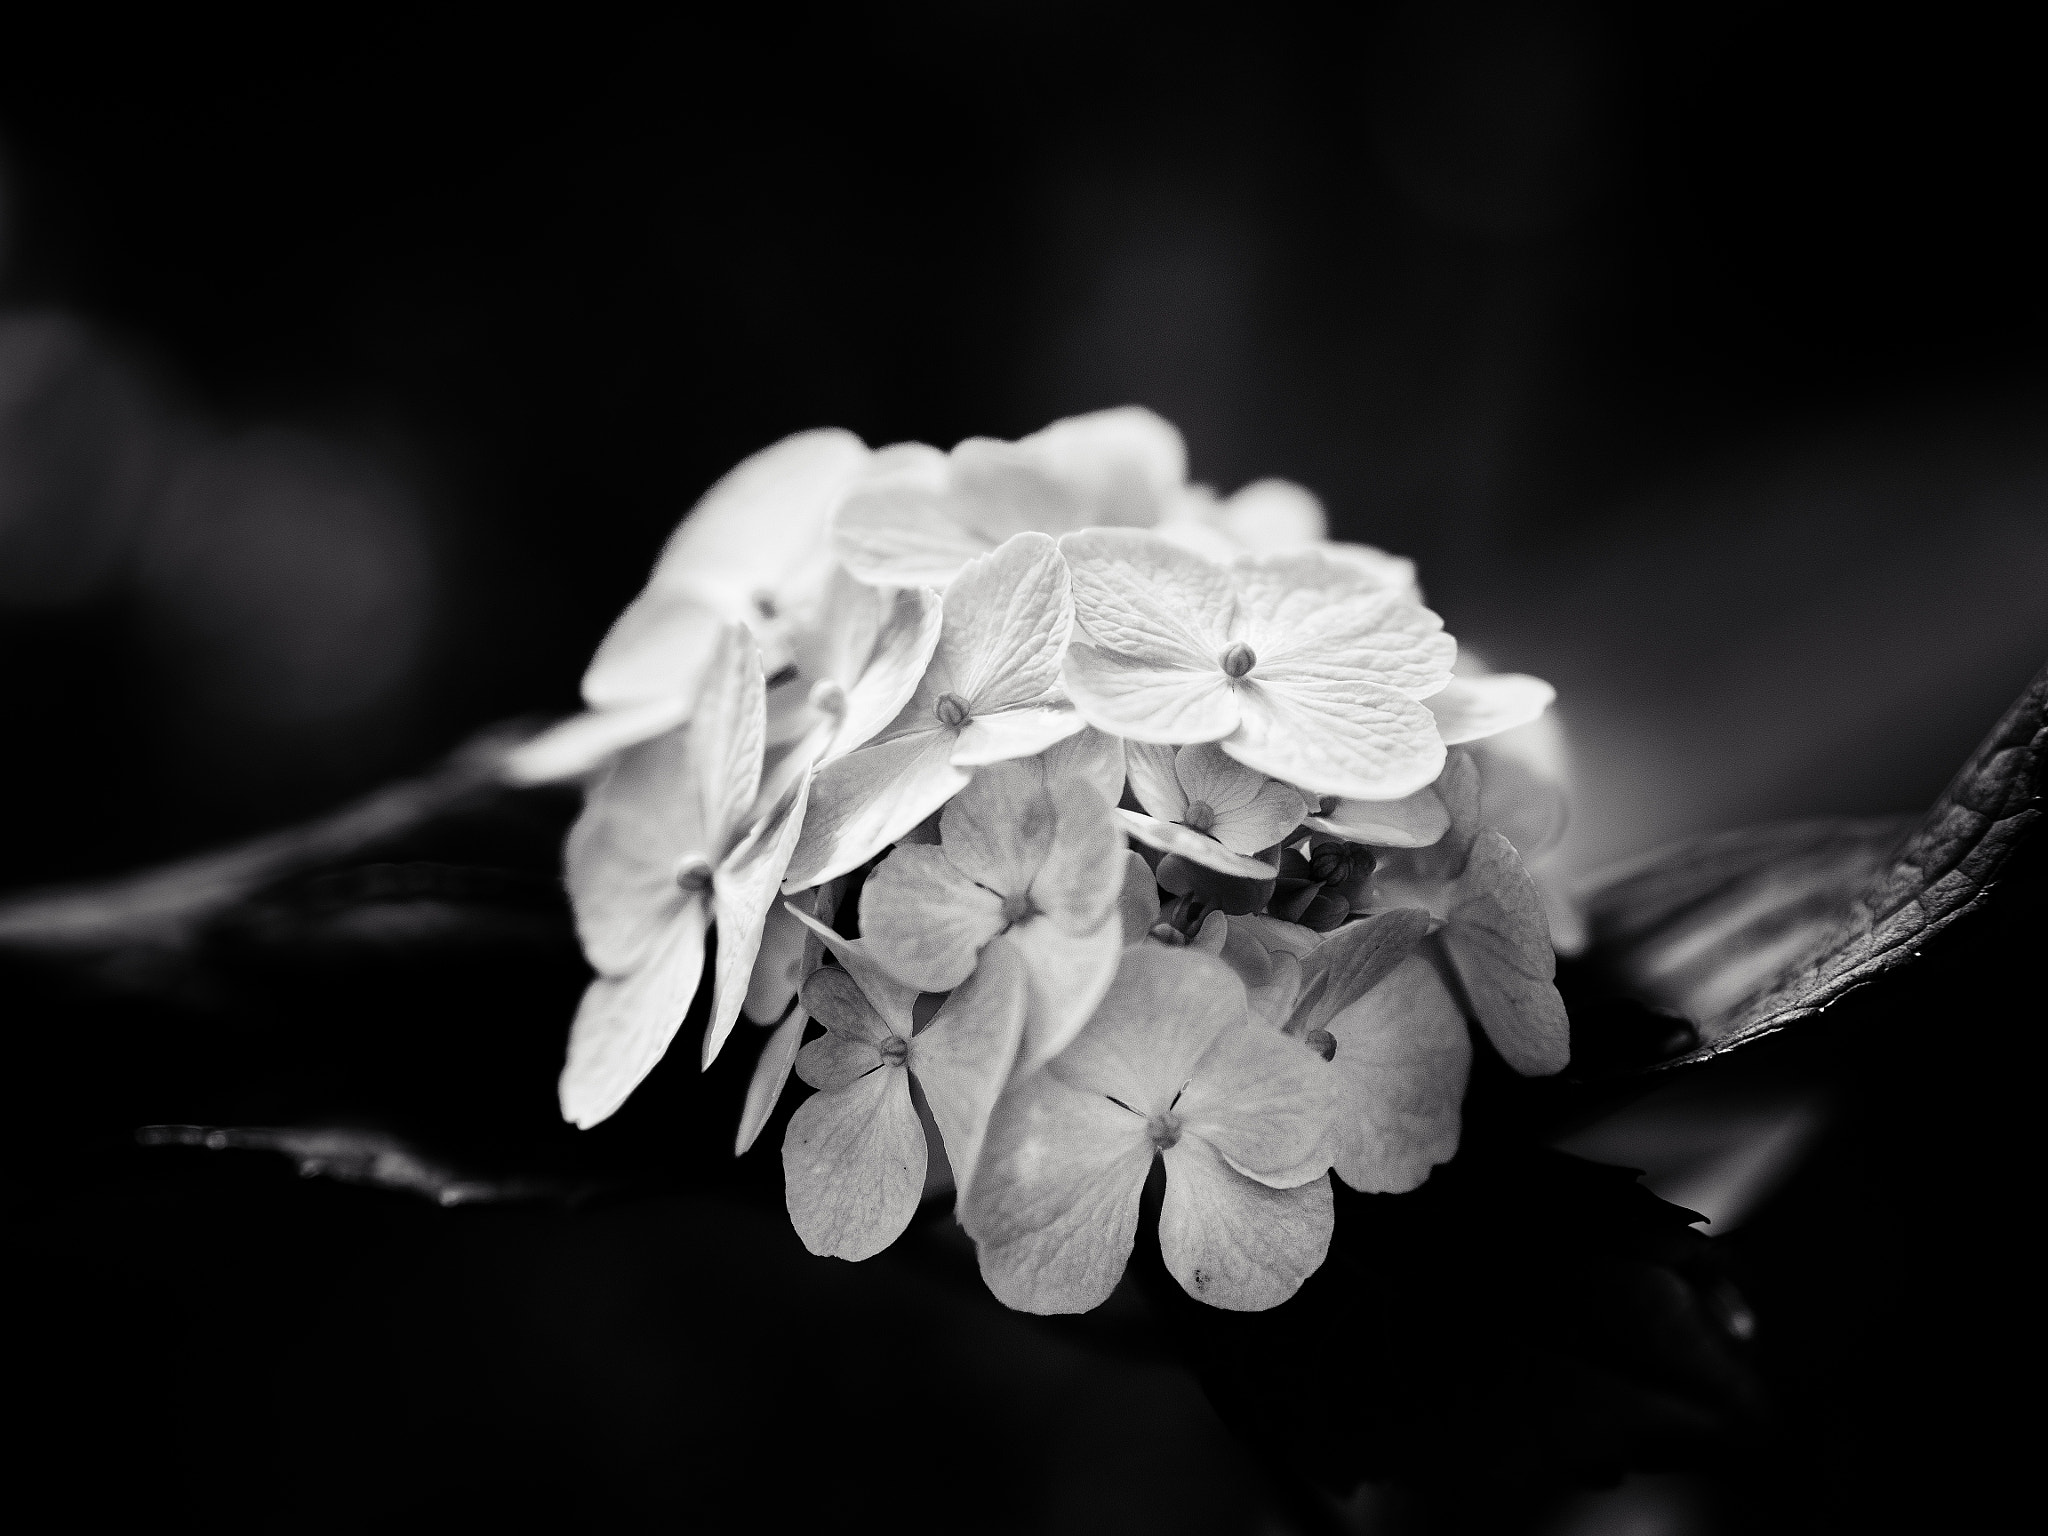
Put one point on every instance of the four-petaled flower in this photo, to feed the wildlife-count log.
(1027, 861)
(918, 516)
(1299, 666)
(855, 1155)
(1172, 1067)
(672, 834)
(989, 693)
(1207, 807)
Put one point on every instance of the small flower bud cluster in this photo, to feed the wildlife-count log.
(1164, 825)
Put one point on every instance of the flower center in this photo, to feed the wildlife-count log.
(1239, 659)
(1017, 908)
(1200, 816)
(895, 1051)
(828, 698)
(1322, 1042)
(951, 710)
(693, 874)
(1164, 1130)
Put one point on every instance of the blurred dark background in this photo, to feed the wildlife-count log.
(353, 366)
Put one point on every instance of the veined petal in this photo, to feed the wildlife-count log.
(1251, 812)
(1170, 837)
(964, 1056)
(1157, 1020)
(1353, 739)
(640, 820)
(727, 736)
(625, 1024)
(573, 747)
(1007, 616)
(903, 649)
(889, 999)
(1263, 1100)
(1401, 1062)
(832, 1061)
(1307, 614)
(1415, 821)
(898, 527)
(1093, 756)
(771, 1076)
(1471, 708)
(1147, 700)
(1147, 600)
(743, 888)
(853, 1166)
(866, 800)
(1354, 960)
(1066, 975)
(924, 921)
(998, 830)
(1078, 880)
(1012, 733)
(656, 649)
(1154, 781)
(1500, 943)
(1138, 902)
(1234, 1242)
(1054, 1203)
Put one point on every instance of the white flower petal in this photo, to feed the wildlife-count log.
(833, 1060)
(1415, 821)
(898, 528)
(1013, 733)
(771, 1076)
(1234, 1242)
(1354, 960)
(999, 829)
(1080, 873)
(834, 996)
(743, 888)
(787, 953)
(889, 998)
(1337, 738)
(1500, 943)
(1272, 517)
(1054, 1203)
(1251, 812)
(923, 920)
(655, 650)
(1093, 756)
(1149, 701)
(641, 819)
(727, 737)
(1263, 1100)
(1402, 1058)
(573, 747)
(1007, 617)
(1305, 615)
(964, 1056)
(1160, 1015)
(1138, 903)
(903, 646)
(625, 1024)
(1169, 837)
(1471, 708)
(1066, 975)
(757, 529)
(853, 1165)
(866, 800)
(1147, 600)
(1154, 781)
(1396, 572)
(1109, 469)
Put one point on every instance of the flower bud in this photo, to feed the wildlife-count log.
(952, 710)
(1239, 659)
(693, 874)
(1199, 817)
(828, 697)
(1322, 1042)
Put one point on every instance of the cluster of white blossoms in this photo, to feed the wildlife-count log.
(1080, 819)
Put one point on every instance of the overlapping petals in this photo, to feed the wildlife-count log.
(918, 516)
(1170, 1066)
(670, 837)
(1297, 665)
(1206, 806)
(989, 693)
(1027, 862)
(855, 1154)
(752, 551)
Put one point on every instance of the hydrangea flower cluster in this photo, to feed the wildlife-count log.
(1057, 819)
